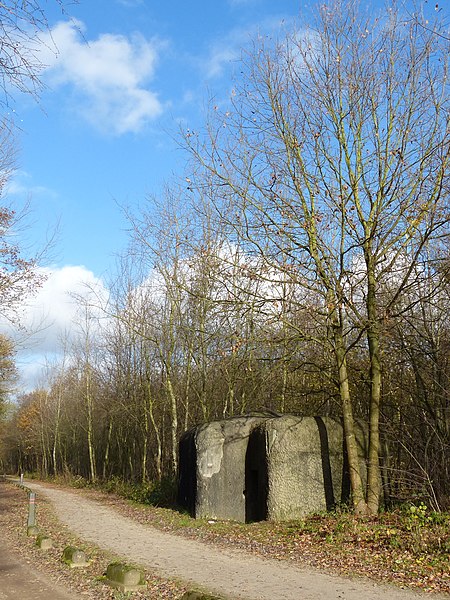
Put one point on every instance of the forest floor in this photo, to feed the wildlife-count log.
(323, 557)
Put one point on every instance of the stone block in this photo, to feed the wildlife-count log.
(304, 460)
(252, 468)
(74, 558)
(212, 468)
(44, 542)
(125, 578)
(32, 531)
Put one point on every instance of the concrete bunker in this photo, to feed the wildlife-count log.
(212, 468)
(253, 468)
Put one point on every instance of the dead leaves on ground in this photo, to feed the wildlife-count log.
(391, 547)
(394, 547)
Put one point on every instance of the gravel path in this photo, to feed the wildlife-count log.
(234, 574)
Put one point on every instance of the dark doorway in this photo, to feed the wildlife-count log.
(187, 472)
(256, 477)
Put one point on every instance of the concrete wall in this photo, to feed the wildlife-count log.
(220, 471)
(253, 468)
(305, 466)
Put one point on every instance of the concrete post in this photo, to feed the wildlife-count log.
(21, 479)
(31, 509)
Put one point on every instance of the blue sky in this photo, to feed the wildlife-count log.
(125, 74)
(121, 76)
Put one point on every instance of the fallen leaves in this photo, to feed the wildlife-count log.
(87, 583)
(383, 548)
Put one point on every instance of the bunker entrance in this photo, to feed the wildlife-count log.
(187, 477)
(256, 480)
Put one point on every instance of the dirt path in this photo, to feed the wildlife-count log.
(18, 578)
(236, 575)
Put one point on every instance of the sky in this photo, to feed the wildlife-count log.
(121, 77)
(125, 74)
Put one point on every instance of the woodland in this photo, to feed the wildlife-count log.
(300, 265)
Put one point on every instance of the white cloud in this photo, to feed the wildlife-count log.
(109, 76)
(222, 55)
(229, 48)
(21, 184)
(54, 309)
(51, 316)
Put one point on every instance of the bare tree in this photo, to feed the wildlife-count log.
(21, 23)
(332, 166)
(8, 369)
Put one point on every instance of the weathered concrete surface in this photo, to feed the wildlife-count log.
(44, 542)
(253, 468)
(124, 577)
(74, 558)
(216, 453)
(32, 531)
(305, 466)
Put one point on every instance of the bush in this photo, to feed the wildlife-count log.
(157, 493)
(164, 493)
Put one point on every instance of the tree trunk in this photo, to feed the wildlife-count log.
(173, 424)
(90, 426)
(357, 488)
(373, 338)
(107, 450)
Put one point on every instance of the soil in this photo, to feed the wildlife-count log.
(229, 573)
(19, 580)
(18, 577)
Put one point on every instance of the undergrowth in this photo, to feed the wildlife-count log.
(157, 493)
